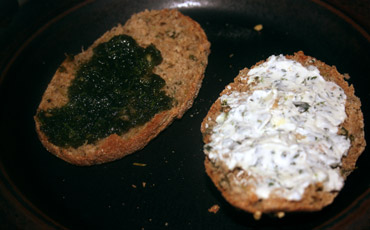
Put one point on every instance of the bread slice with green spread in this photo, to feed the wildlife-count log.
(283, 136)
(130, 84)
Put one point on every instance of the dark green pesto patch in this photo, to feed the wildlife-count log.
(112, 92)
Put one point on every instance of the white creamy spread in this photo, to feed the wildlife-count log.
(283, 132)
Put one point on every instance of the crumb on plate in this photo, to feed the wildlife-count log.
(214, 208)
(258, 27)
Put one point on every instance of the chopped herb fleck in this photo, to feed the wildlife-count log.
(224, 103)
(208, 148)
(192, 57)
(343, 131)
(302, 106)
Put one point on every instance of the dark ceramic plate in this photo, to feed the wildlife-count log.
(172, 190)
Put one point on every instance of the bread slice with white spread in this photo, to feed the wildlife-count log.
(283, 136)
(184, 51)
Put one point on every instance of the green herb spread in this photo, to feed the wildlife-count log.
(112, 92)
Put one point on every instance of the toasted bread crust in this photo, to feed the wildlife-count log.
(184, 48)
(314, 198)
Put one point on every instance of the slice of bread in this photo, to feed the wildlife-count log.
(184, 48)
(243, 195)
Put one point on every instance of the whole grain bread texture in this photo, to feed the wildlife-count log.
(184, 48)
(314, 198)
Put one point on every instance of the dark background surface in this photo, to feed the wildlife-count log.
(38, 190)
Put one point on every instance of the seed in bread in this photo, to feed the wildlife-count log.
(275, 140)
(166, 50)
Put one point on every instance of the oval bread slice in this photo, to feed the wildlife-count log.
(184, 48)
(314, 197)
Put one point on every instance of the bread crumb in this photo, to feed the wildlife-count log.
(134, 186)
(139, 164)
(144, 184)
(214, 209)
(257, 215)
(280, 214)
(258, 27)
